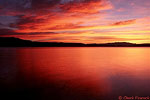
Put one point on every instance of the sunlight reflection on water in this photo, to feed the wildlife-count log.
(75, 73)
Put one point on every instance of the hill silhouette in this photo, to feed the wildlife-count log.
(16, 42)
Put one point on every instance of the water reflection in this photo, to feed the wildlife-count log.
(74, 73)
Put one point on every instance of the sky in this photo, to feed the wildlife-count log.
(76, 21)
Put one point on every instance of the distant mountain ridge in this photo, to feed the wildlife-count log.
(16, 42)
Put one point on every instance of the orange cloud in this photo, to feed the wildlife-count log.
(70, 15)
(60, 25)
(86, 38)
(87, 6)
(87, 21)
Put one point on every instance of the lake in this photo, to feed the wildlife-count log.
(75, 73)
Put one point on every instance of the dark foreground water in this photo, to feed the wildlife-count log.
(74, 73)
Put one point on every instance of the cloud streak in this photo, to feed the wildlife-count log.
(73, 20)
(50, 15)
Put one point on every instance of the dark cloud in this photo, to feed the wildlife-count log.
(42, 4)
(43, 12)
(84, 6)
(16, 7)
(1, 25)
(10, 32)
(29, 20)
(12, 7)
(4, 31)
(34, 16)
(127, 22)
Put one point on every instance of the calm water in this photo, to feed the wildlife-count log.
(74, 73)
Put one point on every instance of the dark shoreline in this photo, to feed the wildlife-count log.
(16, 42)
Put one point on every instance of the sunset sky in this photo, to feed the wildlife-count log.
(80, 21)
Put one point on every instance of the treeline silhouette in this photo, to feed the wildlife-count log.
(16, 42)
